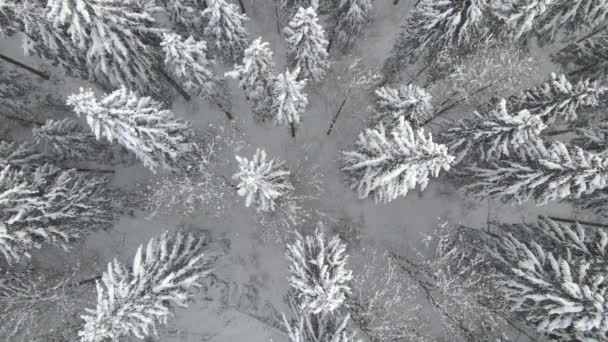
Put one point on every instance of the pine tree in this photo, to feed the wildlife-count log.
(388, 164)
(351, 18)
(437, 26)
(519, 18)
(225, 27)
(593, 137)
(306, 45)
(586, 58)
(137, 123)
(49, 205)
(262, 181)
(184, 15)
(188, 62)
(288, 101)
(411, 102)
(256, 76)
(290, 7)
(553, 278)
(557, 98)
(135, 301)
(66, 138)
(20, 156)
(492, 135)
(547, 174)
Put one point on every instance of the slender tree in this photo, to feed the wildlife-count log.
(306, 45)
(290, 7)
(225, 28)
(136, 300)
(351, 17)
(262, 181)
(387, 165)
(288, 100)
(492, 135)
(137, 123)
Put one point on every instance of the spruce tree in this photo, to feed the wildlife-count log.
(256, 76)
(290, 7)
(387, 165)
(552, 275)
(351, 17)
(225, 29)
(139, 124)
(306, 45)
(546, 174)
(493, 134)
(262, 181)
(65, 139)
(136, 300)
(411, 102)
(288, 101)
(586, 58)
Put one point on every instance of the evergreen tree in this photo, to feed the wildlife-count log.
(256, 76)
(20, 156)
(290, 7)
(49, 205)
(557, 98)
(587, 58)
(351, 18)
(437, 26)
(225, 28)
(262, 181)
(65, 138)
(411, 102)
(493, 134)
(184, 15)
(546, 174)
(137, 123)
(288, 102)
(388, 164)
(553, 278)
(306, 45)
(135, 301)
(188, 62)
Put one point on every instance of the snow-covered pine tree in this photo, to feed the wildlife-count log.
(387, 165)
(136, 300)
(587, 58)
(262, 181)
(288, 101)
(256, 77)
(519, 18)
(290, 7)
(306, 45)
(139, 124)
(49, 205)
(318, 277)
(351, 18)
(437, 26)
(593, 137)
(184, 15)
(20, 156)
(306, 326)
(545, 174)
(225, 28)
(118, 39)
(493, 134)
(187, 60)
(409, 101)
(553, 278)
(66, 138)
(557, 98)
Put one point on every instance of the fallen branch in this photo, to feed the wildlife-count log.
(333, 121)
(177, 87)
(26, 67)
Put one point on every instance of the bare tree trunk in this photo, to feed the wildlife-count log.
(225, 111)
(25, 67)
(177, 87)
(242, 5)
(84, 169)
(419, 73)
(589, 35)
(293, 130)
(331, 42)
(586, 223)
(86, 281)
(22, 120)
(277, 18)
(333, 121)
(559, 132)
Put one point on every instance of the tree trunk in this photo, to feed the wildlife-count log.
(83, 169)
(242, 5)
(225, 111)
(586, 223)
(418, 74)
(86, 281)
(331, 42)
(587, 36)
(590, 66)
(333, 121)
(293, 130)
(177, 87)
(25, 67)
(277, 18)
(26, 121)
(559, 132)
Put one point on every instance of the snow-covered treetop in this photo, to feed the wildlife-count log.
(558, 98)
(494, 134)
(388, 164)
(318, 274)
(139, 124)
(554, 277)
(187, 60)
(262, 181)
(225, 29)
(306, 45)
(351, 16)
(547, 174)
(288, 99)
(410, 101)
(136, 300)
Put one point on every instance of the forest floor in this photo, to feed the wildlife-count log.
(253, 266)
